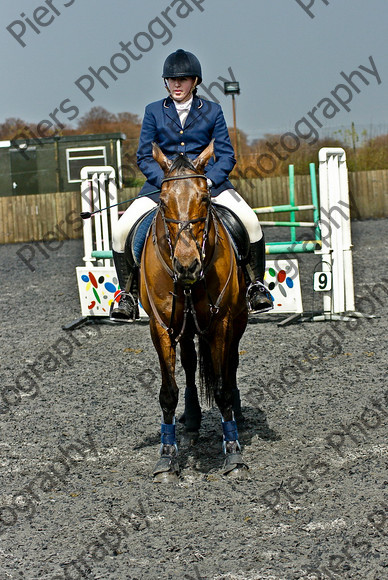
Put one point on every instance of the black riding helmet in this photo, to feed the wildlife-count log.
(182, 64)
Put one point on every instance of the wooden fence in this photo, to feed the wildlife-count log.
(28, 218)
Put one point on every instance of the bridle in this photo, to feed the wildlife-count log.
(186, 225)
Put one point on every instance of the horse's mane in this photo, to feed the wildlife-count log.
(180, 163)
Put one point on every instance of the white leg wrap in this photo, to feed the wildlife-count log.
(137, 208)
(231, 199)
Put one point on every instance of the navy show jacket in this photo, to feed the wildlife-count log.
(204, 122)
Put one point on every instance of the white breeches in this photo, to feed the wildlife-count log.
(137, 208)
(229, 198)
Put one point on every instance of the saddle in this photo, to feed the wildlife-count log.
(236, 230)
(137, 236)
(238, 234)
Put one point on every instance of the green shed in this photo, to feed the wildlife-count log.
(53, 164)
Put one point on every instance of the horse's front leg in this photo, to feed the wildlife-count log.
(192, 414)
(167, 467)
(239, 325)
(224, 359)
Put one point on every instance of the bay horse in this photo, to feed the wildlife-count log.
(191, 284)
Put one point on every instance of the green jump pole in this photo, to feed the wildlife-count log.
(102, 254)
(282, 208)
(289, 224)
(292, 247)
(314, 199)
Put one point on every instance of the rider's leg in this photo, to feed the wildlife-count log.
(126, 308)
(259, 298)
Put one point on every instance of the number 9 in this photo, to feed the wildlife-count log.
(322, 280)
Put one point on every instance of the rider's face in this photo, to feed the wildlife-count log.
(180, 88)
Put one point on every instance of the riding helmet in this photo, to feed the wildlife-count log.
(182, 64)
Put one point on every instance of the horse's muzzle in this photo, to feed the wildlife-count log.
(187, 274)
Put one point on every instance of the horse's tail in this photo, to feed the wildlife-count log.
(209, 380)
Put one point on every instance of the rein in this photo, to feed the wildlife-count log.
(189, 306)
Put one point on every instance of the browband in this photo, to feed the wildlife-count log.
(183, 177)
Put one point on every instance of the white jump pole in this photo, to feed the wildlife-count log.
(87, 229)
(93, 198)
(336, 230)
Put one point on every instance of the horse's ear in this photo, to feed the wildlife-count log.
(164, 162)
(202, 159)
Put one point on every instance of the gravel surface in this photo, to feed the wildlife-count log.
(80, 435)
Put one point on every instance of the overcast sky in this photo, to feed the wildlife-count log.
(287, 62)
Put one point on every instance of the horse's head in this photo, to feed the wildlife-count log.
(185, 201)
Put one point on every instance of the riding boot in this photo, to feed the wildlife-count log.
(127, 308)
(259, 298)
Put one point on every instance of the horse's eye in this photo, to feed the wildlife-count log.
(206, 199)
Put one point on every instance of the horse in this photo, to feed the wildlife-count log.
(191, 284)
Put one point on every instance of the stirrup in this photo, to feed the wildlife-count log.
(259, 298)
(126, 309)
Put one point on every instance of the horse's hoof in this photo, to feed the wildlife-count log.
(235, 466)
(166, 470)
(238, 472)
(189, 438)
(166, 477)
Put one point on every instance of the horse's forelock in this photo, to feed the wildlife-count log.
(180, 163)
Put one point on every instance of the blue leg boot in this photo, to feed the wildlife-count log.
(167, 467)
(232, 449)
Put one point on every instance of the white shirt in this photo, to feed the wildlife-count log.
(183, 110)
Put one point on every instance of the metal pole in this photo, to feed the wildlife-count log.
(292, 200)
(235, 127)
(56, 154)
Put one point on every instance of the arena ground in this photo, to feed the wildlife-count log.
(80, 434)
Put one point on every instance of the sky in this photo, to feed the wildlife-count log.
(287, 55)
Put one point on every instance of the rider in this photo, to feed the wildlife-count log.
(184, 124)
